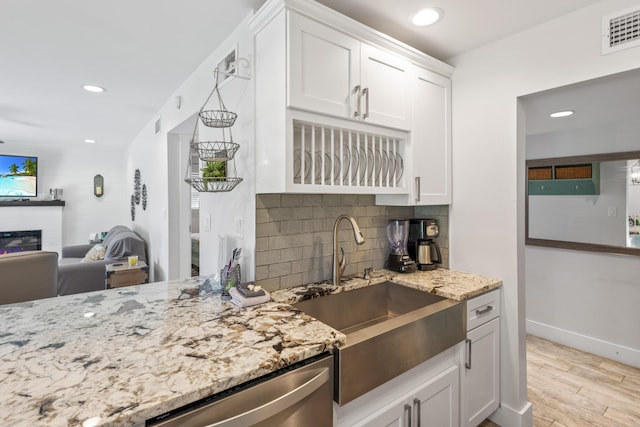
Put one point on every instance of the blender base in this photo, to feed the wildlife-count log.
(401, 264)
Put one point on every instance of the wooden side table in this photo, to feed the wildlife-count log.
(122, 274)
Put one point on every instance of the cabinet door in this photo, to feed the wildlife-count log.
(385, 80)
(431, 138)
(396, 414)
(481, 376)
(324, 68)
(437, 403)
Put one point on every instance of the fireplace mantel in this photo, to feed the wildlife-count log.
(29, 203)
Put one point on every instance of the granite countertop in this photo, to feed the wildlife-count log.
(120, 356)
(450, 284)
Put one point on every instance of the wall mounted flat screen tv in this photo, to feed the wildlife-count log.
(18, 176)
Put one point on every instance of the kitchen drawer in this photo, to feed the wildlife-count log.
(483, 308)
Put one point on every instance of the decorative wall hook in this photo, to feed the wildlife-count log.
(234, 69)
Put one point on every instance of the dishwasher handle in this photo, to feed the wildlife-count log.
(276, 405)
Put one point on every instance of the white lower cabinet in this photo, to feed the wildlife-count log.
(481, 362)
(428, 395)
(433, 404)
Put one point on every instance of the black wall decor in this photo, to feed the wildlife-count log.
(133, 207)
(144, 197)
(136, 186)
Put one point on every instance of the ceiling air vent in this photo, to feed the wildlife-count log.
(621, 30)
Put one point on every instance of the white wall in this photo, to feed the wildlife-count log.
(487, 213)
(72, 168)
(149, 152)
(585, 218)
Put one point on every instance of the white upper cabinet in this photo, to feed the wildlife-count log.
(336, 74)
(336, 107)
(430, 168)
(324, 68)
(384, 93)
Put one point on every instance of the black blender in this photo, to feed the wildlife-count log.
(398, 235)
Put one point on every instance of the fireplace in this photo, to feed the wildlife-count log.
(20, 241)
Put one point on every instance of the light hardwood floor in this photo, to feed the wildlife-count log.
(569, 387)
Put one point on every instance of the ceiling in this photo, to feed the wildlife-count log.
(142, 50)
(607, 101)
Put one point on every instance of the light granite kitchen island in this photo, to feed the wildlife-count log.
(121, 356)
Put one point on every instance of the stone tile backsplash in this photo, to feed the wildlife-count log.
(294, 235)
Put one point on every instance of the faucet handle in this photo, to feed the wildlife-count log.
(343, 262)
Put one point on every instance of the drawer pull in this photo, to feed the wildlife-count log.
(485, 310)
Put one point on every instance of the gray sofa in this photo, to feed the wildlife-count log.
(75, 276)
(29, 275)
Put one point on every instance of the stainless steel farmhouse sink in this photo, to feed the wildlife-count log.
(390, 329)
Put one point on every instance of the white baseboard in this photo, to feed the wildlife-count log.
(619, 353)
(506, 416)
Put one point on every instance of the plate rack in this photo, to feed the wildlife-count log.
(337, 157)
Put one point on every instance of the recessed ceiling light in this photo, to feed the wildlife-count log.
(93, 88)
(90, 141)
(565, 113)
(427, 16)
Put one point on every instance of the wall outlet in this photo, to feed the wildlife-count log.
(239, 226)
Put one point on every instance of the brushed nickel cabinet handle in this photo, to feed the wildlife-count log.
(467, 363)
(407, 414)
(358, 92)
(417, 186)
(485, 310)
(365, 92)
(416, 405)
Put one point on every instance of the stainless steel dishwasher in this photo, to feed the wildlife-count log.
(301, 394)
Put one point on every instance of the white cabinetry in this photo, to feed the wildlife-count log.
(427, 395)
(334, 104)
(336, 74)
(430, 169)
(481, 372)
(433, 404)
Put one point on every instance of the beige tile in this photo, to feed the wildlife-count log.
(291, 200)
(267, 229)
(302, 213)
(267, 201)
(291, 254)
(269, 284)
(279, 270)
(267, 257)
(262, 244)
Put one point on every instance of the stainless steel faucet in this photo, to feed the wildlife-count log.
(339, 262)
